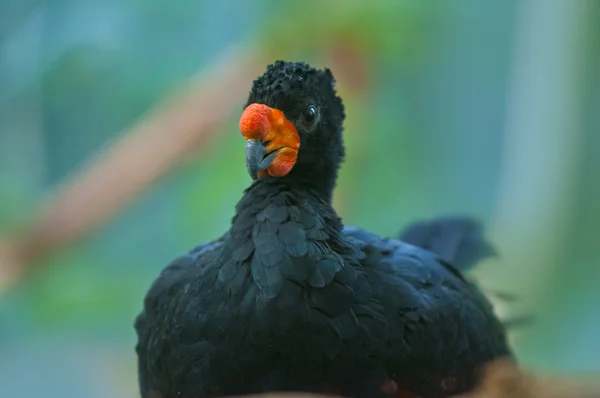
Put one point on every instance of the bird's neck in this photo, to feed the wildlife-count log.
(275, 200)
(287, 191)
(285, 231)
(319, 183)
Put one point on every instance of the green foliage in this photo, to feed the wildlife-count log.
(217, 178)
(389, 32)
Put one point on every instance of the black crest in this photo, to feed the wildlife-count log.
(285, 79)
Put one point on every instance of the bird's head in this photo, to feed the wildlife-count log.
(292, 123)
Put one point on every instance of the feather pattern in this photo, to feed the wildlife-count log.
(269, 296)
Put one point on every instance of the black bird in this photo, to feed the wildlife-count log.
(288, 299)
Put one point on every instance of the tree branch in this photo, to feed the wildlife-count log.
(502, 379)
(177, 126)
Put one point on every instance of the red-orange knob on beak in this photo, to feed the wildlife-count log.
(273, 141)
(255, 122)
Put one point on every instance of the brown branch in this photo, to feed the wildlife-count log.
(176, 127)
(158, 142)
(502, 379)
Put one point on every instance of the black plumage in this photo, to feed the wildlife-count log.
(290, 299)
(457, 240)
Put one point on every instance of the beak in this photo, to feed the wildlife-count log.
(272, 141)
(257, 159)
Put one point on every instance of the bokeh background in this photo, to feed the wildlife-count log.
(490, 109)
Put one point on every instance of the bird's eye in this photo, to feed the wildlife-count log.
(309, 116)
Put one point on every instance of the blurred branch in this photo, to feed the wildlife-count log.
(179, 125)
(183, 123)
(503, 380)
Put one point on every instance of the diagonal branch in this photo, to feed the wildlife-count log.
(502, 379)
(177, 126)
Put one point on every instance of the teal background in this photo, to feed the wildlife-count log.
(467, 107)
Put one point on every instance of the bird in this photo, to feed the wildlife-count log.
(291, 299)
(460, 241)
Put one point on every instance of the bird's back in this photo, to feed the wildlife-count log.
(442, 328)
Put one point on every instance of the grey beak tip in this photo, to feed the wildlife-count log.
(255, 152)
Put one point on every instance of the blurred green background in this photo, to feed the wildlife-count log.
(456, 107)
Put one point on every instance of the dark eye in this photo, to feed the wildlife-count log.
(309, 116)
